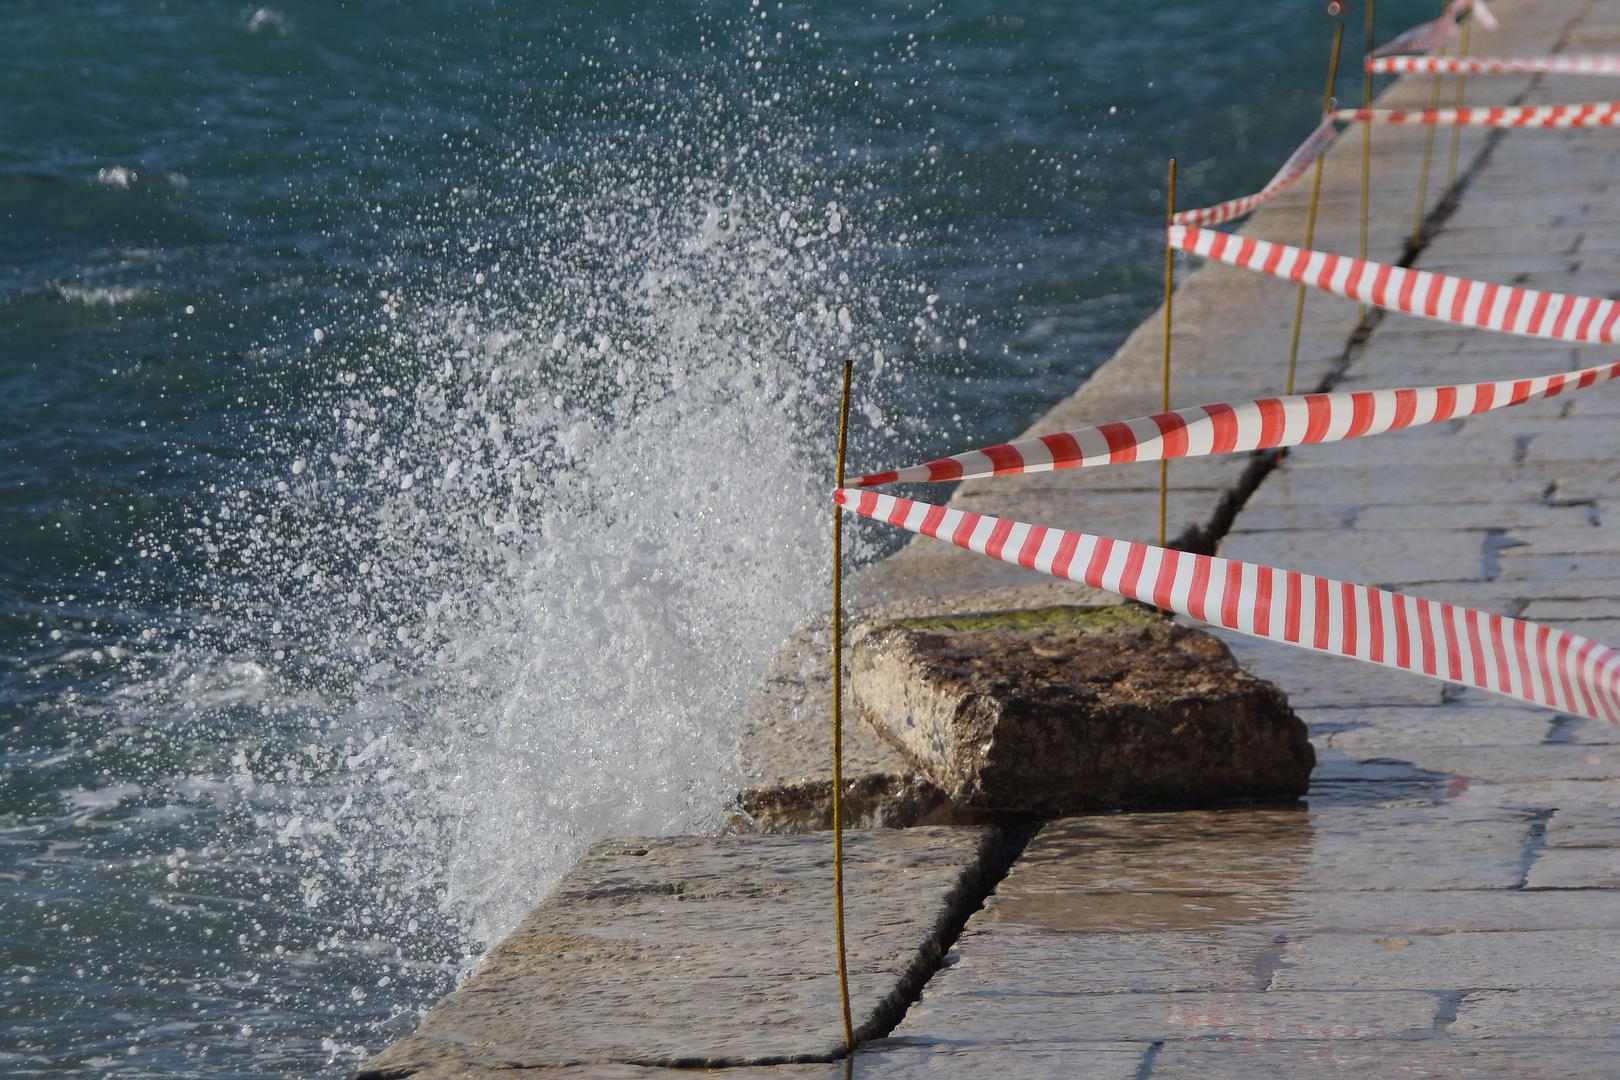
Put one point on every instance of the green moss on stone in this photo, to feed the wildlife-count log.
(1064, 616)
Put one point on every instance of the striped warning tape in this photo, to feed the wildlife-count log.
(1494, 65)
(1234, 428)
(1519, 659)
(1436, 32)
(1299, 161)
(1593, 114)
(1506, 308)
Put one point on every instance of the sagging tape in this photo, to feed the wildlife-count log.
(1518, 659)
(1508, 309)
(1299, 161)
(1234, 428)
(1494, 65)
(1590, 115)
(1437, 32)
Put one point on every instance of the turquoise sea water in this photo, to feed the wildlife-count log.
(415, 431)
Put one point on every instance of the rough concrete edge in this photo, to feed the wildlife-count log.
(875, 800)
(893, 640)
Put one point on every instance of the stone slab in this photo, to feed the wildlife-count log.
(1549, 959)
(1388, 730)
(1264, 858)
(965, 1013)
(903, 1061)
(1575, 868)
(785, 755)
(1521, 1059)
(705, 951)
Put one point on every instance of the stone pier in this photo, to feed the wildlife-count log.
(1446, 899)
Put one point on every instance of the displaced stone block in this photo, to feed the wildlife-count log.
(1066, 708)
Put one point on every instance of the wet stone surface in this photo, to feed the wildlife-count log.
(1447, 901)
(705, 951)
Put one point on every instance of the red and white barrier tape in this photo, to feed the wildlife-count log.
(1292, 169)
(1494, 65)
(1436, 32)
(1235, 428)
(1464, 302)
(1519, 659)
(1594, 114)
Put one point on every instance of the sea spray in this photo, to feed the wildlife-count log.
(349, 437)
(554, 491)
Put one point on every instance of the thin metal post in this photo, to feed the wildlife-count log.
(1164, 393)
(838, 719)
(1310, 218)
(1462, 83)
(1428, 149)
(1366, 140)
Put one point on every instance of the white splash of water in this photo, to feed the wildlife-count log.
(118, 177)
(99, 295)
(598, 511)
(553, 505)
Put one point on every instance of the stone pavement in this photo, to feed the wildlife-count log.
(1448, 902)
(699, 951)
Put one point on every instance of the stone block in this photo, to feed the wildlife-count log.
(785, 755)
(1063, 708)
(1575, 868)
(698, 951)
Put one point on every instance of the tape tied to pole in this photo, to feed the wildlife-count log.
(1522, 660)
(1494, 65)
(1437, 32)
(1508, 309)
(1589, 115)
(1244, 427)
(1303, 157)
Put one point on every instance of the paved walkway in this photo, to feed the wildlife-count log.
(1448, 903)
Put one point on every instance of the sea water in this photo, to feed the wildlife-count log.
(417, 430)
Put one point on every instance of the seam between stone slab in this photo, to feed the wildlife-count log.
(1012, 842)
(1227, 495)
(993, 856)
(1535, 842)
(1204, 540)
(1145, 1070)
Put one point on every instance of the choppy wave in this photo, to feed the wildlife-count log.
(100, 295)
